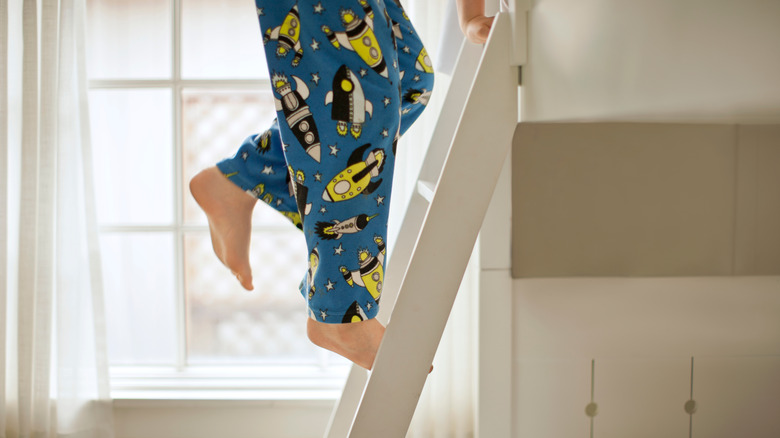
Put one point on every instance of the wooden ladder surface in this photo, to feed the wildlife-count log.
(462, 165)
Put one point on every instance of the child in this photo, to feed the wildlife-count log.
(349, 77)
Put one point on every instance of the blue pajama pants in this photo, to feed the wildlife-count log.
(349, 77)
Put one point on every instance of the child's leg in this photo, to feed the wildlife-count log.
(335, 76)
(229, 212)
(257, 171)
(259, 168)
(255, 167)
(356, 222)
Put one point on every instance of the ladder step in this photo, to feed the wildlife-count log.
(426, 189)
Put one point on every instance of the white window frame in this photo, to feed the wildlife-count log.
(183, 382)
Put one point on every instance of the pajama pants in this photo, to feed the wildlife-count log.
(349, 77)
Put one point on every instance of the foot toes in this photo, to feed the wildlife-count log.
(246, 281)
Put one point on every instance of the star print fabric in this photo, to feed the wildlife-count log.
(349, 78)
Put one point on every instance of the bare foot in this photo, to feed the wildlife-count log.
(357, 341)
(229, 211)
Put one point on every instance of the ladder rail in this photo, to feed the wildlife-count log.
(452, 109)
(343, 412)
(398, 260)
(441, 141)
(465, 186)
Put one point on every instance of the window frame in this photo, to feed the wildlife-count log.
(205, 382)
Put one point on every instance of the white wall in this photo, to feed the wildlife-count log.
(671, 60)
(236, 419)
(642, 334)
(715, 60)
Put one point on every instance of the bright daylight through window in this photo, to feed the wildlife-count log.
(175, 86)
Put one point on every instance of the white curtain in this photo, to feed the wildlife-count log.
(447, 404)
(52, 334)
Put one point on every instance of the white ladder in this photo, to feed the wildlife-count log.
(462, 165)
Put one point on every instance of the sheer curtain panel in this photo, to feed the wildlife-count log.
(447, 404)
(52, 337)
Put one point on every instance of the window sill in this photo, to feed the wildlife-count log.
(257, 400)
(265, 385)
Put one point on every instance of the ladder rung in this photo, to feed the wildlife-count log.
(426, 189)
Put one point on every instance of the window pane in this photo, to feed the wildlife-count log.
(215, 123)
(227, 323)
(221, 40)
(139, 271)
(132, 138)
(129, 39)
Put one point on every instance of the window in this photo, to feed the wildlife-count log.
(176, 85)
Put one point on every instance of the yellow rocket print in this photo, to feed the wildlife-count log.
(257, 191)
(371, 272)
(356, 179)
(415, 96)
(354, 313)
(288, 36)
(263, 142)
(424, 62)
(359, 37)
(294, 217)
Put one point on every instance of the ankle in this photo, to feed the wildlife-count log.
(319, 333)
(211, 184)
(353, 335)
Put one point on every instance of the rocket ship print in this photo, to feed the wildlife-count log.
(295, 182)
(297, 112)
(356, 178)
(424, 62)
(288, 36)
(359, 37)
(294, 217)
(263, 142)
(415, 96)
(314, 262)
(370, 274)
(336, 229)
(257, 191)
(349, 102)
(397, 32)
(354, 314)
